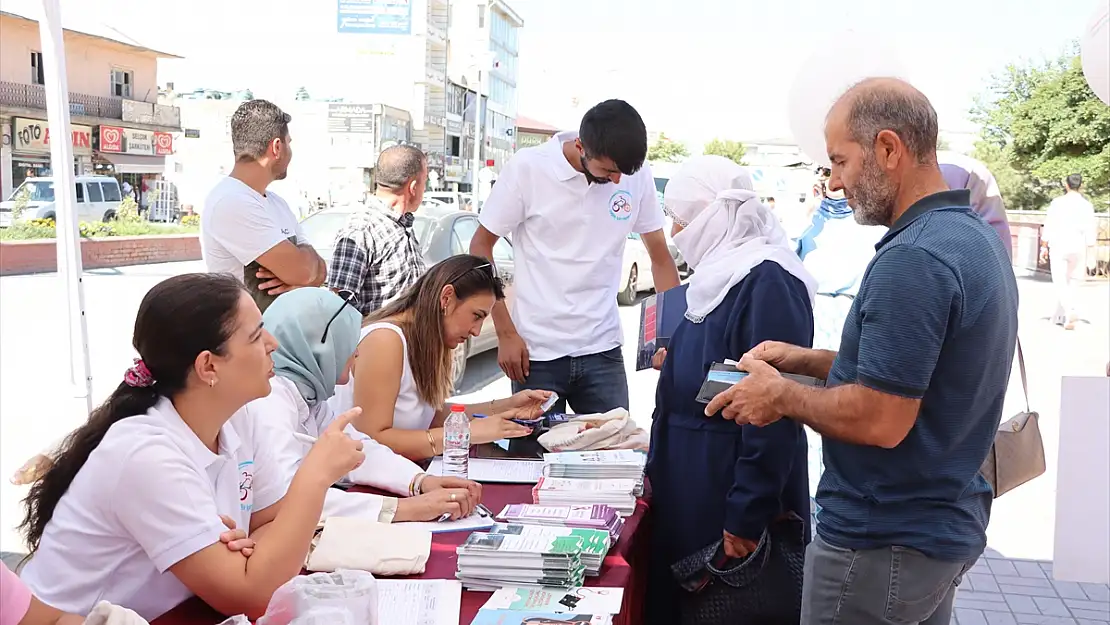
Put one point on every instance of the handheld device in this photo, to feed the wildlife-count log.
(547, 405)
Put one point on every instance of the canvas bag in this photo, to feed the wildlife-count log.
(1017, 454)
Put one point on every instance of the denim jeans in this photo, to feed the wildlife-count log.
(595, 383)
(891, 585)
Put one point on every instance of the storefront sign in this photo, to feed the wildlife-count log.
(351, 118)
(454, 127)
(118, 140)
(375, 17)
(530, 140)
(32, 136)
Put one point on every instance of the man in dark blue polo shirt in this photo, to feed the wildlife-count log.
(915, 394)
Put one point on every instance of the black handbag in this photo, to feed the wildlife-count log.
(765, 588)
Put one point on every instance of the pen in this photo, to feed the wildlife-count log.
(443, 517)
(479, 416)
(484, 511)
(305, 438)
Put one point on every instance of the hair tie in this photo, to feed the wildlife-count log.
(138, 376)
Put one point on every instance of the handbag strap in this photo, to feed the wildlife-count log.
(1024, 378)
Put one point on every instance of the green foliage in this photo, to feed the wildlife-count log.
(666, 150)
(191, 221)
(732, 150)
(46, 229)
(20, 203)
(302, 94)
(1040, 123)
(128, 211)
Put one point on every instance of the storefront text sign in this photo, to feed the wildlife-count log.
(32, 136)
(117, 140)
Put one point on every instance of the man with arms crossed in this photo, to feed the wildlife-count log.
(915, 394)
(569, 207)
(248, 231)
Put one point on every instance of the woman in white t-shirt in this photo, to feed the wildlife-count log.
(129, 512)
(317, 333)
(404, 372)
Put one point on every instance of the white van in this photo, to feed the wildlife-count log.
(98, 199)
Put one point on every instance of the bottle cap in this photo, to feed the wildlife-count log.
(458, 408)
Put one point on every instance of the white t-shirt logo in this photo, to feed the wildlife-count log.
(246, 481)
(620, 205)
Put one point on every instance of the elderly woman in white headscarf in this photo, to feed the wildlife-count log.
(713, 480)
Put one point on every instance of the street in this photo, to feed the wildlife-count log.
(33, 358)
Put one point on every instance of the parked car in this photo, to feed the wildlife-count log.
(637, 268)
(458, 201)
(98, 199)
(442, 232)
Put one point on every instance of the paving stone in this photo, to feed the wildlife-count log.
(1096, 592)
(1020, 604)
(1069, 590)
(1098, 606)
(1000, 618)
(1095, 615)
(1087, 621)
(968, 617)
(1003, 567)
(1028, 619)
(1030, 582)
(1050, 606)
(1028, 591)
(1028, 568)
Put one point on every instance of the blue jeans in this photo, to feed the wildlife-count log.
(595, 383)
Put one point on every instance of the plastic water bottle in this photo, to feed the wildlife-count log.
(456, 443)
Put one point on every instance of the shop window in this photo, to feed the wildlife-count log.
(122, 83)
(38, 74)
(94, 192)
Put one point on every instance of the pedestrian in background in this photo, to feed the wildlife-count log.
(915, 394)
(249, 231)
(569, 207)
(1069, 229)
(377, 256)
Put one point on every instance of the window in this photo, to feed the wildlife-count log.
(463, 232)
(80, 193)
(122, 81)
(456, 146)
(94, 192)
(38, 74)
(111, 192)
(456, 99)
(481, 16)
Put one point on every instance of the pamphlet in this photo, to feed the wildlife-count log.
(660, 316)
(559, 600)
(512, 617)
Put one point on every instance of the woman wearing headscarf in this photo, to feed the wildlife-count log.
(317, 333)
(964, 172)
(712, 480)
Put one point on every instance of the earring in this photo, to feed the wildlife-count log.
(212, 383)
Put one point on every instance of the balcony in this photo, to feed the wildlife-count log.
(25, 96)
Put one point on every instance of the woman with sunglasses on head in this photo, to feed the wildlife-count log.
(317, 333)
(129, 512)
(403, 374)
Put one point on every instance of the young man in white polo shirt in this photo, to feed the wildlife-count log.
(569, 206)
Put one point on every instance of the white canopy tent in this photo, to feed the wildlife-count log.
(70, 269)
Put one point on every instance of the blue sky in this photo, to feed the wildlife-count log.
(694, 68)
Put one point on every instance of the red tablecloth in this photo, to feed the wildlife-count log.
(624, 567)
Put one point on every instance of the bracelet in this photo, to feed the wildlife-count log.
(431, 442)
(418, 488)
(491, 410)
(412, 485)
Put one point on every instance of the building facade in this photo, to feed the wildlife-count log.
(530, 133)
(118, 126)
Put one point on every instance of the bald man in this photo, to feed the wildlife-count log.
(377, 256)
(914, 396)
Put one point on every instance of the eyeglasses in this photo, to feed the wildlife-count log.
(463, 273)
(348, 297)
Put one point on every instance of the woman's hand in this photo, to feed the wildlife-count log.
(658, 359)
(457, 502)
(433, 483)
(497, 427)
(335, 454)
(528, 401)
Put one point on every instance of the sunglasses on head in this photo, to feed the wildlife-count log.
(348, 297)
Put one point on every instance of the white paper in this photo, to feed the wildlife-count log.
(466, 524)
(583, 600)
(419, 601)
(492, 470)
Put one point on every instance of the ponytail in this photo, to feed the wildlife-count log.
(125, 401)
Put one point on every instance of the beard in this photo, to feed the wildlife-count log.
(590, 178)
(873, 196)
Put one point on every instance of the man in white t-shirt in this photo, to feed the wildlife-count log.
(248, 231)
(1069, 229)
(569, 206)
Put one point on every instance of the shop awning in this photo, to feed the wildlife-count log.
(133, 164)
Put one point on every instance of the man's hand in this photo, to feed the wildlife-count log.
(236, 539)
(658, 359)
(736, 547)
(752, 399)
(512, 356)
(785, 357)
(273, 284)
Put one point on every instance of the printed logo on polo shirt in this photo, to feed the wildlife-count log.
(620, 205)
(246, 483)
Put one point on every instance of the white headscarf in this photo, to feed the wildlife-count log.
(727, 231)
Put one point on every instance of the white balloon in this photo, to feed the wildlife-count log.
(1095, 53)
(833, 68)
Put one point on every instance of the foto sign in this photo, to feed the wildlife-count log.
(32, 136)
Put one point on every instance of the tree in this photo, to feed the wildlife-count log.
(666, 150)
(732, 150)
(1040, 123)
(302, 94)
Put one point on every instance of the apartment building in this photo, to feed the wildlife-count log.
(118, 126)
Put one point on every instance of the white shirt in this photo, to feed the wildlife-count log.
(149, 496)
(568, 241)
(238, 225)
(410, 411)
(1069, 226)
(286, 411)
